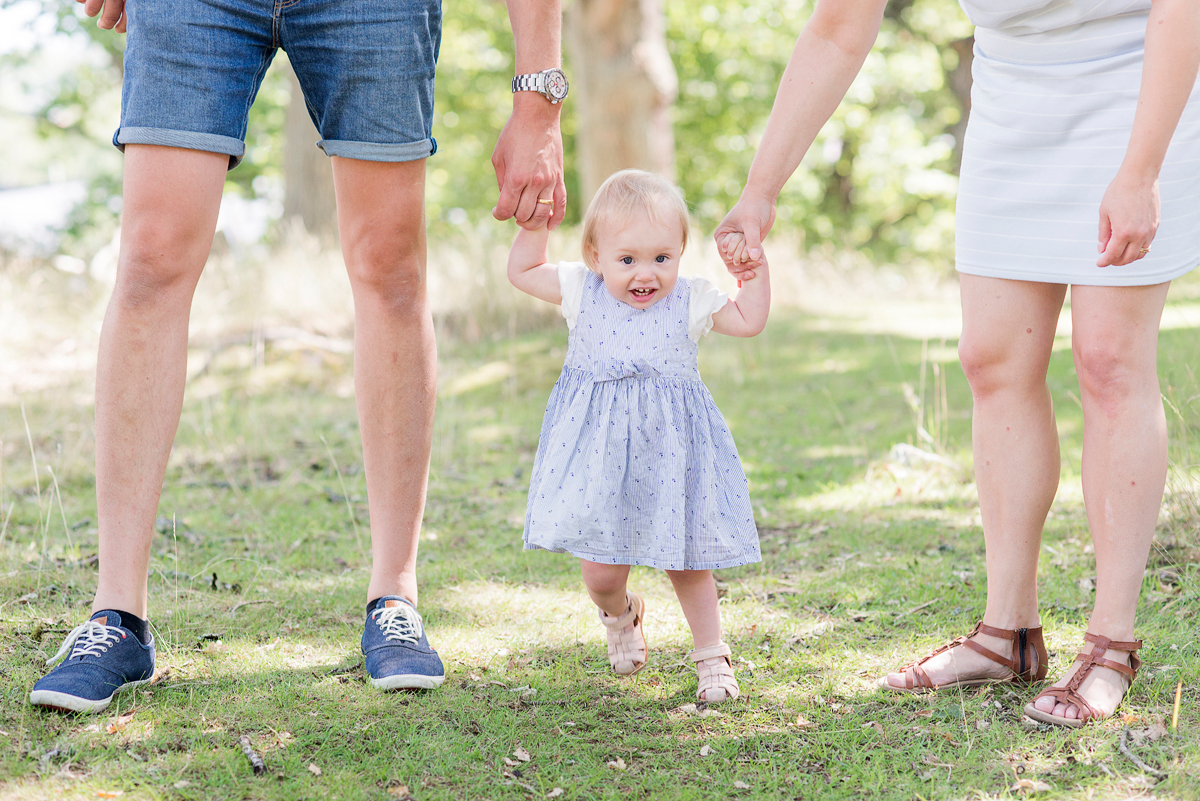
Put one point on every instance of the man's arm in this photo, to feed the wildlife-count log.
(529, 154)
(113, 16)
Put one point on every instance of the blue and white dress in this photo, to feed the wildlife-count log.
(635, 464)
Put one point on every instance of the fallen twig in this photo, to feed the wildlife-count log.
(233, 611)
(916, 609)
(254, 759)
(1124, 748)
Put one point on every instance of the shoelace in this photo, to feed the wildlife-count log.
(400, 623)
(90, 639)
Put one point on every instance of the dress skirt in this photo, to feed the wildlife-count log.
(1051, 116)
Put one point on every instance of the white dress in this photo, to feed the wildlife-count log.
(635, 464)
(1056, 84)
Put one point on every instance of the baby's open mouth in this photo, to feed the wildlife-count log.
(643, 292)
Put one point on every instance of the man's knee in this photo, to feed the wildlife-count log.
(158, 263)
(388, 263)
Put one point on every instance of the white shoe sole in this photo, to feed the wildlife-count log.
(74, 703)
(408, 681)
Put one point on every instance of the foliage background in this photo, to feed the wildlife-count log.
(880, 176)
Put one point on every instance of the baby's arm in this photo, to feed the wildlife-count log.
(527, 267)
(745, 315)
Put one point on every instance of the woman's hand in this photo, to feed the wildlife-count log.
(1129, 215)
(739, 236)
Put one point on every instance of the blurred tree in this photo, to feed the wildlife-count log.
(307, 173)
(881, 175)
(624, 86)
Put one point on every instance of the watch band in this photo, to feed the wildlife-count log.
(533, 82)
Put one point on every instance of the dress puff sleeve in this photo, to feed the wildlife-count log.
(571, 276)
(706, 301)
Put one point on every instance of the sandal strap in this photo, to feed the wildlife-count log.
(915, 676)
(1069, 697)
(720, 649)
(631, 615)
(1095, 658)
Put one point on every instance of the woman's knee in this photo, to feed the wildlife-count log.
(1109, 373)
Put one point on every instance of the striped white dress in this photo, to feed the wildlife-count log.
(635, 464)
(1056, 85)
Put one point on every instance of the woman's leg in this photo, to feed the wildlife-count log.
(1115, 332)
(1008, 333)
(606, 584)
(697, 594)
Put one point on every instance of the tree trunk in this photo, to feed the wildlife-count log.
(624, 85)
(307, 174)
(959, 80)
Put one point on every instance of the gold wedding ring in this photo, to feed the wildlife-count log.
(546, 200)
(1144, 251)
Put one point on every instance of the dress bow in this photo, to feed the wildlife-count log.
(616, 369)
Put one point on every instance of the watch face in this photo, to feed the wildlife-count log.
(556, 84)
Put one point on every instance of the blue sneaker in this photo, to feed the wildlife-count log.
(398, 654)
(105, 658)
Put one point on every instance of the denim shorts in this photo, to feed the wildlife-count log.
(193, 67)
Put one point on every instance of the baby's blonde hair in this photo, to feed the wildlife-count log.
(626, 194)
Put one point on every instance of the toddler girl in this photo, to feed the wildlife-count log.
(635, 465)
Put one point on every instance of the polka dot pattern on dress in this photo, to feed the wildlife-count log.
(635, 464)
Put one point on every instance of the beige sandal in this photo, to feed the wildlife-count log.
(1069, 693)
(1026, 664)
(716, 680)
(627, 650)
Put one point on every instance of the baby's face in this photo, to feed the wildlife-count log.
(639, 261)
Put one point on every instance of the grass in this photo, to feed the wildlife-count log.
(259, 570)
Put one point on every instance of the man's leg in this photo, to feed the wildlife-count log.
(171, 201)
(382, 223)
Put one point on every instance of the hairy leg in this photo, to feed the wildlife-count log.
(1115, 331)
(381, 219)
(1008, 333)
(607, 586)
(171, 201)
(697, 594)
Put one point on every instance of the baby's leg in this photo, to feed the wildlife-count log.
(697, 593)
(621, 613)
(606, 584)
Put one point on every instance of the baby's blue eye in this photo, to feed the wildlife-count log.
(627, 260)
(661, 259)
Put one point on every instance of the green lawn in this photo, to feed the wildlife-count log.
(260, 567)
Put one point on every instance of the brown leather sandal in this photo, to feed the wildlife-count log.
(1069, 693)
(1027, 663)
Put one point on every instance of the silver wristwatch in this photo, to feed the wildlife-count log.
(550, 84)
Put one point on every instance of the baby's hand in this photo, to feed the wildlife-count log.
(733, 244)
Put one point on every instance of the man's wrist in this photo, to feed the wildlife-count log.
(533, 104)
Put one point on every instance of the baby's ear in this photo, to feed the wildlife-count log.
(590, 257)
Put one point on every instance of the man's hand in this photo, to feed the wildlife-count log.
(113, 16)
(529, 164)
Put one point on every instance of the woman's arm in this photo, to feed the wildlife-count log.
(1129, 211)
(746, 314)
(527, 267)
(829, 53)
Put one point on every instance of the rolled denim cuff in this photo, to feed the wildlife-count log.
(191, 140)
(373, 151)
